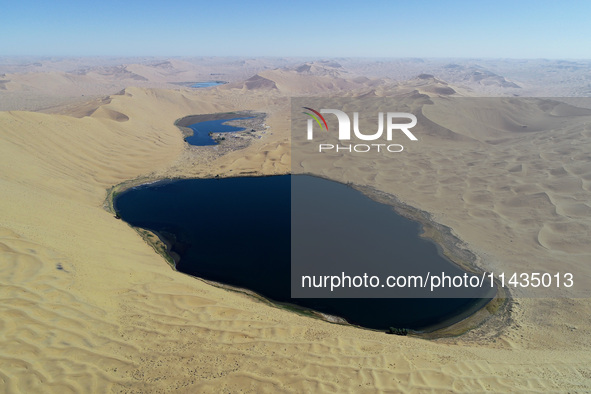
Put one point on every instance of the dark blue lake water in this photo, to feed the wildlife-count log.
(201, 131)
(206, 84)
(237, 231)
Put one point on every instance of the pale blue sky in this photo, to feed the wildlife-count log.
(507, 29)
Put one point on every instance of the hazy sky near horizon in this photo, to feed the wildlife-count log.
(494, 29)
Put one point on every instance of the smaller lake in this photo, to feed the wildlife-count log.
(201, 131)
(207, 84)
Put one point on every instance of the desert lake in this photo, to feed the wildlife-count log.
(201, 130)
(237, 231)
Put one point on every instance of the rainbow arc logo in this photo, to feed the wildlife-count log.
(316, 116)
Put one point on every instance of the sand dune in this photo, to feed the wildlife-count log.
(88, 306)
(256, 82)
(308, 78)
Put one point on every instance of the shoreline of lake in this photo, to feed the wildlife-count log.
(497, 308)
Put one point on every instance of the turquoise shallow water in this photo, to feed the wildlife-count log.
(206, 84)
